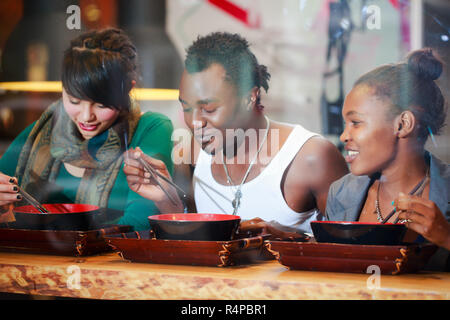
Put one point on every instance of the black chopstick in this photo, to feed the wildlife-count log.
(185, 208)
(152, 173)
(150, 170)
(169, 182)
(389, 216)
(32, 201)
(418, 188)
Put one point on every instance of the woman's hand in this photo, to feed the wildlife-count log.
(424, 217)
(8, 190)
(8, 196)
(140, 181)
(257, 226)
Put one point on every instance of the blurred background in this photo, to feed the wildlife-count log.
(314, 50)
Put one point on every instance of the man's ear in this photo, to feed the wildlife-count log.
(405, 123)
(252, 98)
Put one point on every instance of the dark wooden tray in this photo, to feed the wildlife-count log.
(142, 247)
(58, 242)
(352, 258)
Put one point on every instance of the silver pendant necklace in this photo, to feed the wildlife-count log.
(238, 193)
(377, 204)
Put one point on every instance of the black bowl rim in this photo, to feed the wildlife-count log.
(156, 218)
(357, 223)
(94, 209)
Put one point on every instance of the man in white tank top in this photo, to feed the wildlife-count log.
(274, 175)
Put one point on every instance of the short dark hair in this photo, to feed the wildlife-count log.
(99, 66)
(410, 86)
(233, 53)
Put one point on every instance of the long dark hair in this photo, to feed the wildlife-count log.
(99, 66)
(410, 86)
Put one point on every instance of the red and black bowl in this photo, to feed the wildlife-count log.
(195, 226)
(61, 216)
(351, 232)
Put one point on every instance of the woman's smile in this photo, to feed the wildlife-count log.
(351, 155)
(87, 127)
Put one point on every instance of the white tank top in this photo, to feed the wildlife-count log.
(262, 196)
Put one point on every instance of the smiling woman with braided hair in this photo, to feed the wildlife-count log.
(74, 152)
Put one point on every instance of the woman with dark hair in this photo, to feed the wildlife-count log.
(389, 114)
(74, 152)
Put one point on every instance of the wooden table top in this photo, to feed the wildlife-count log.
(107, 276)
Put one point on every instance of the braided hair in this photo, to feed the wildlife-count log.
(233, 53)
(100, 66)
(410, 86)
